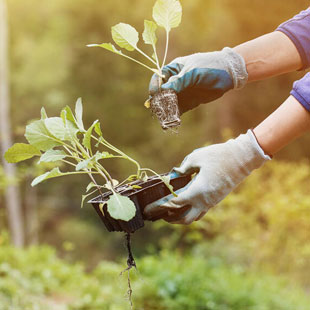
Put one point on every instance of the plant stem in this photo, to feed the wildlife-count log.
(68, 162)
(152, 171)
(166, 49)
(94, 181)
(138, 62)
(145, 55)
(156, 57)
(78, 159)
(102, 171)
(68, 147)
(106, 144)
(74, 157)
(82, 172)
(68, 150)
(84, 153)
(110, 146)
(124, 182)
(108, 178)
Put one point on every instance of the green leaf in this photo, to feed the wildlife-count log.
(48, 175)
(135, 186)
(90, 186)
(58, 129)
(82, 200)
(103, 155)
(85, 196)
(63, 115)
(52, 156)
(144, 176)
(121, 207)
(132, 177)
(79, 114)
(149, 33)
(87, 136)
(69, 115)
(98, 129)
(166, 180)
(125, 36)
(21, 151)
(101, 205)
(112, 185)
(147, 103)
(83, 164)
(167, 13)
(38, 136)
(108, 46)
(43, 113)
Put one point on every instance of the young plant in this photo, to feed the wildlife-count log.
(166, 14)
(65, 140)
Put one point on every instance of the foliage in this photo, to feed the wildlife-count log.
(264, 224)
(36, 279)
(166, 13)
(178, 282)
(58, 138)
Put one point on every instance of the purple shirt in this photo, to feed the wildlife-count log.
(298, 30)
(301, 91)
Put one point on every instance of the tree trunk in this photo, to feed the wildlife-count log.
(12, 196)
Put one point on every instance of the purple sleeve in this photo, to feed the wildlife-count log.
(298, 30)
(301, 91)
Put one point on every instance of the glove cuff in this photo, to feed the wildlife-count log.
(257, 146)
(253, 156)
(236, 66)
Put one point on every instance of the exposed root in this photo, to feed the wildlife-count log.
(130, 264)
(164, 105)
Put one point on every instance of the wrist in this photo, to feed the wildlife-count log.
(256, 148)
(236, 66)
(284, 125)
(258, 143)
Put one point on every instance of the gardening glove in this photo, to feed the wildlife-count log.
(219, 169)
(201, 77)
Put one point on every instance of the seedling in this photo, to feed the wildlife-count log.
(65, 140)
(166, 14)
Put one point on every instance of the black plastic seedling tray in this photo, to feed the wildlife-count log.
(152, 190)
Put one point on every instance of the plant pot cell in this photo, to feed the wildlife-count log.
(150, 191)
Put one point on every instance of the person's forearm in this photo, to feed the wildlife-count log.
(284, 125)
(269, 55)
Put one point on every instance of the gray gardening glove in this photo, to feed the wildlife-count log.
(220, 168)
(202, 77)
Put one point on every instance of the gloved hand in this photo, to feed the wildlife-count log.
(220, 168)
(202, 77)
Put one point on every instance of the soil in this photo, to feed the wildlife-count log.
(164, 105)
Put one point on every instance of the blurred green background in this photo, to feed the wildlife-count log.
(250, 252)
